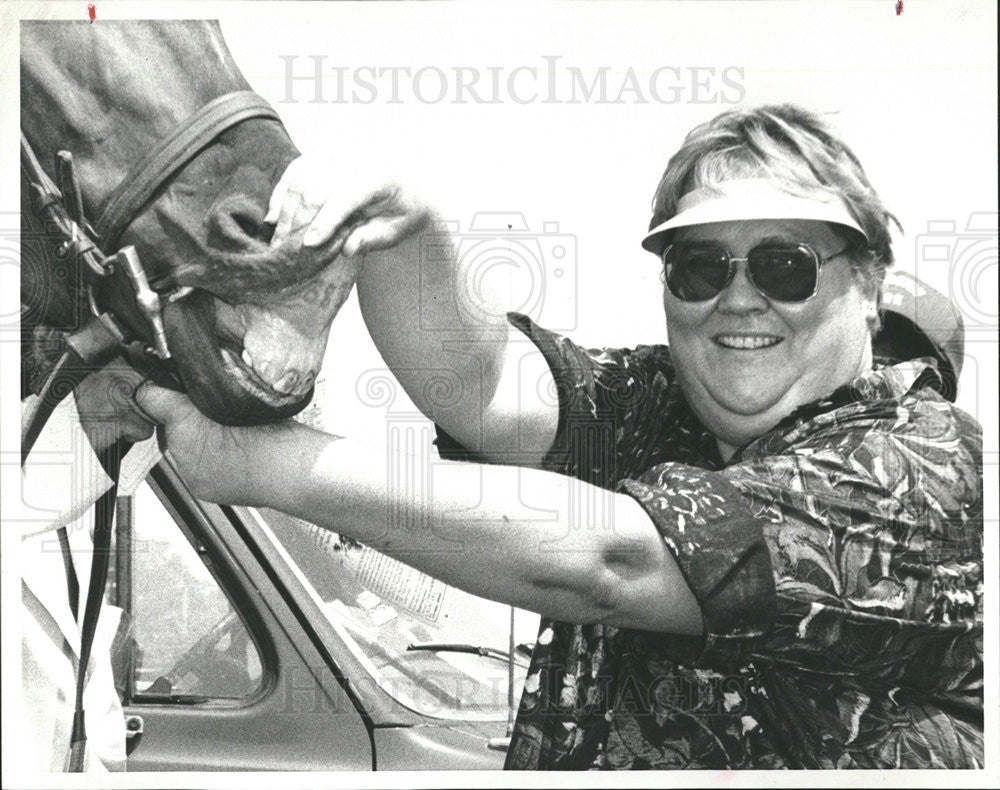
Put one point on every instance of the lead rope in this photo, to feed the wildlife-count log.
(104, 511)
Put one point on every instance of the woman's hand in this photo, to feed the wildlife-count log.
(219, 463)
(329, 202)
(104, 403)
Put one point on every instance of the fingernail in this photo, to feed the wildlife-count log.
(247, 358)
(311, 238)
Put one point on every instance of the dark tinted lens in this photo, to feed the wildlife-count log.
(787, 274)
(695, 274)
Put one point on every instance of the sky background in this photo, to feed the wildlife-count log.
(913, 94)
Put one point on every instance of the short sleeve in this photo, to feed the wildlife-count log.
(719, 545)
(620, 411)
(624, 426)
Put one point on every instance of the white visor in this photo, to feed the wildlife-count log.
(749, 199)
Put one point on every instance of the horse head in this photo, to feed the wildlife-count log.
(248, 338)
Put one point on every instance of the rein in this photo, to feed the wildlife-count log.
(105, 335)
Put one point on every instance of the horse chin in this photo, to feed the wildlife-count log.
(215, 377)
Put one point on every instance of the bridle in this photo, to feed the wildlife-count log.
(105, 334)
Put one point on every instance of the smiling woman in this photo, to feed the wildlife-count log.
(745, 359)
(761, 546)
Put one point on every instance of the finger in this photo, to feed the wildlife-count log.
(304, 213)
(328, 219)
(137, 429)
(286, 216)
(281, 189)
(157, 404)
(297, 212)
(336, 213)
(140, 413)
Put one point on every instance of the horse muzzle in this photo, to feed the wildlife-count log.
(213, 372)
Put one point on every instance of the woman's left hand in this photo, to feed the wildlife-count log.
(365, 211)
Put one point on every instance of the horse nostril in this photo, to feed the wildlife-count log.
(248, 225)
(235, 222)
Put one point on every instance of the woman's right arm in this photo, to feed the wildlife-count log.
(489, 539)
(438, 321)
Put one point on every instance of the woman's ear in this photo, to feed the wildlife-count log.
(872, 305)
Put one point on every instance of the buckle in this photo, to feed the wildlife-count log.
(146, 299)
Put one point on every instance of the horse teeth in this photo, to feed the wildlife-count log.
(287, 382)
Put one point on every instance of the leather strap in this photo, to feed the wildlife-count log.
(72, 582)
(104, 513)
(173, 152)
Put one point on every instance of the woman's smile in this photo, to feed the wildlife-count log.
(746, 341)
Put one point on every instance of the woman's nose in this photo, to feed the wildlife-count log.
(741, 296)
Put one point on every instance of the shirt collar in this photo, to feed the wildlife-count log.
(887, 381)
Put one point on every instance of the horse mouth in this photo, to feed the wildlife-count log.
(229, 333)
(249, 380)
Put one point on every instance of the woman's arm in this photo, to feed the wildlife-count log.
(439, 322)
(484, 539)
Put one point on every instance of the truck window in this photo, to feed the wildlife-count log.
(181, 641)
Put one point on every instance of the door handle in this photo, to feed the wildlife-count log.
(499, 744)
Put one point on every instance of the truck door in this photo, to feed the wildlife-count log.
(215, 668)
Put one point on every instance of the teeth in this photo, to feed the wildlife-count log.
(747, 341)
(287, 382)
(267, 396)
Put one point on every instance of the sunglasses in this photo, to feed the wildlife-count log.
(698, 271)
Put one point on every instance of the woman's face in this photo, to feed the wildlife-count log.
(745, 361)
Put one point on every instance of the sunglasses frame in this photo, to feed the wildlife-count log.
(817, 262)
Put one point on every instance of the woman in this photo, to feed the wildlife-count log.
(784, 564)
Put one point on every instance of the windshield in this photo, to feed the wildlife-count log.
(436, 649)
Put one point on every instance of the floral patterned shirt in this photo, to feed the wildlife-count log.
(837, 561)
